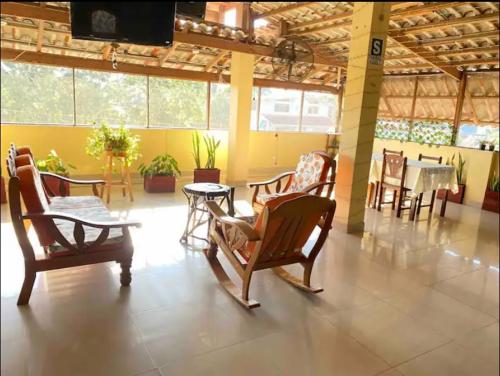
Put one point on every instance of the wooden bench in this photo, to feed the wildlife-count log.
(73, 230)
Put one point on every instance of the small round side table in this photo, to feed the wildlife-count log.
(197, 194)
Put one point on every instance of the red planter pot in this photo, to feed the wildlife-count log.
(54, 185)
(491, 201)
(159, 184)
(453, 197)
(207, 175)
(3, 193)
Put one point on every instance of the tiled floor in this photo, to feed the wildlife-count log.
(405, 299)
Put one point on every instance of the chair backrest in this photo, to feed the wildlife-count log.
(387, 151)
(312, 168)
(394, 169)
(422, 157)
(35, 200)
(287, 222)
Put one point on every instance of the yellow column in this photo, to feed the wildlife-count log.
(242, 66)
(361, 98)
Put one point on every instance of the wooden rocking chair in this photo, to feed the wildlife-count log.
(312, 170)
(280, 232)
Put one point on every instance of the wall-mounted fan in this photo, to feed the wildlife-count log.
(293, 59)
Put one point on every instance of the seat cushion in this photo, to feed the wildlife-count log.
(88, 208)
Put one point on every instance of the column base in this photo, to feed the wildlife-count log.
(349, 228)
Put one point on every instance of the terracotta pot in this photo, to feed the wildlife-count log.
(159, 184)
(3, 193)
(54, 185)
(206, 175)
(453, 197)
(491, 201)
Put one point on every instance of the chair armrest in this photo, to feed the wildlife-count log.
(84, 222)
(314, 186)
(273, 180)
(221, 216)
(72, 181)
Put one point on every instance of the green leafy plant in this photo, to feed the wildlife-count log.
(162, 165)
(212, 146)
(196, 149)
(53, 163)
(459, 168)
(117, 140)
(494, 183)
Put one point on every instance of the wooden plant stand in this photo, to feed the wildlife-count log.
(125, 181)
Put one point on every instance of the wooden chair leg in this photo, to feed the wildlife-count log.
(431, 205)
(29, 281)
(304, 285)
(394, 196)
(380, 198)
(413, 208)
(374, 206)
(226, 282)
(400, 203)
(125, 275)
(419, 202)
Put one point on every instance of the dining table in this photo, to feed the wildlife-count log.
(421, 177)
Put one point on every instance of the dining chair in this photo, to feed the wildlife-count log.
(377, 183)
(439, 160)
(393, 178)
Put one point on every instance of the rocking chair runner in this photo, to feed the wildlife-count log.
(312, 170)
(277, 238)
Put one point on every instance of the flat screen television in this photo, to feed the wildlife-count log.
(144, 23)
(192, 9)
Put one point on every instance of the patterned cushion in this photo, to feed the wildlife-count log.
(310, 170)
(263, 198)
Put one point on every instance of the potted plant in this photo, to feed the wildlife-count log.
(118, 141)
(208, 174)
(159, 175)
(54, 164)
(3, 195)
(459, 170)
(482, 144)
(491, 200)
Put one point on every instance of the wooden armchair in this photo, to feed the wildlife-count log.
(72, 235)
(277, 238)
(23, 156)
(310, 175)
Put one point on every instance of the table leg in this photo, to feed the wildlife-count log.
(443, 204)
(231, 202)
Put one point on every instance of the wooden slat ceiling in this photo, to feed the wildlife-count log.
(424, 37)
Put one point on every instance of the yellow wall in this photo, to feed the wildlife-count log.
(478, 165)
(267, 153)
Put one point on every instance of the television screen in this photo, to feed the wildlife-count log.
(192, 9)
(145, 23)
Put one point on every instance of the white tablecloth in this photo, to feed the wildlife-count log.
(420, 176)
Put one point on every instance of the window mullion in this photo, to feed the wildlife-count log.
(301, 109)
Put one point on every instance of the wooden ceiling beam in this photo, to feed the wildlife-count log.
(102, 65)
(215, 60)
(421, 51)
(286, 8)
